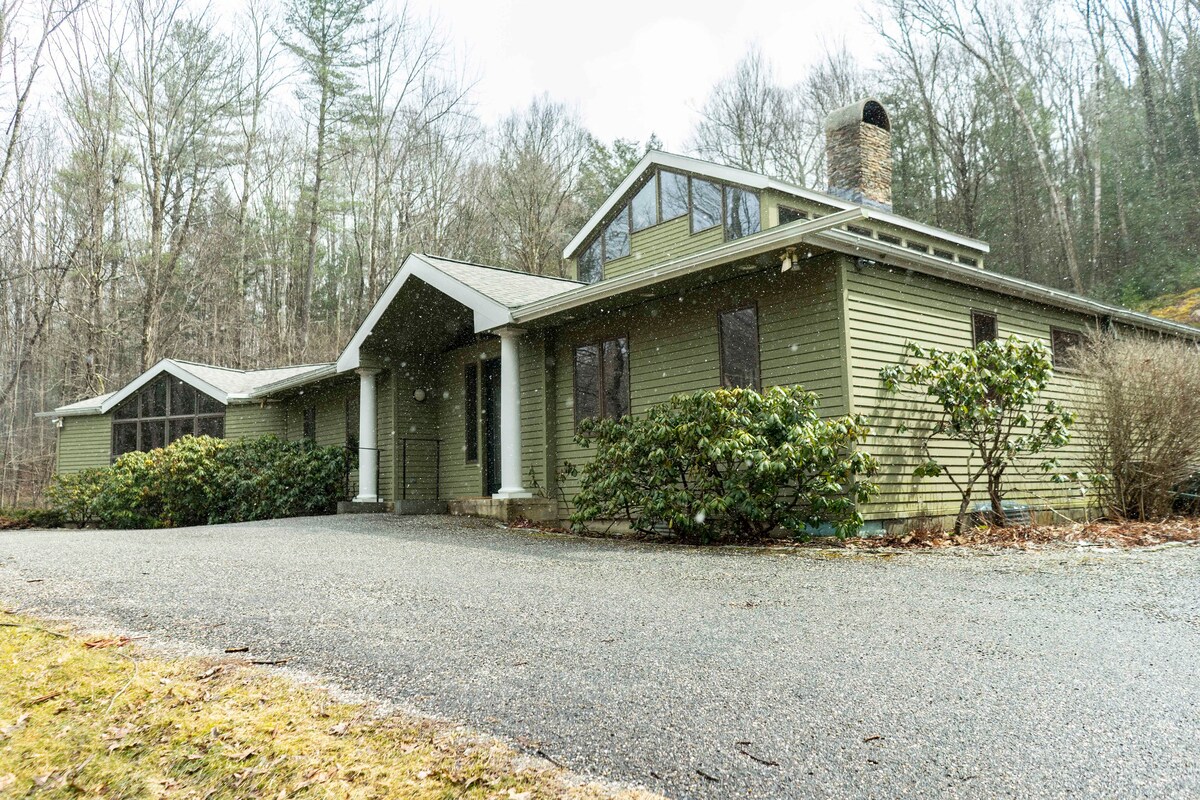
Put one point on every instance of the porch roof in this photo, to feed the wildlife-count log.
(492, 294)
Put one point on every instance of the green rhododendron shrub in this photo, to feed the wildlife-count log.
(989, 398)
(73, 495)
(269, 478)
(727, 464)
(200, 479)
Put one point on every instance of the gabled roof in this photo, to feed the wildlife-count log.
(491, 293)
(752, 180)
(224, 384)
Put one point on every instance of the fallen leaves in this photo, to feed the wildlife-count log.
(1103, 534)
(115, 641)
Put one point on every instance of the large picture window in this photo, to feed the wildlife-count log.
(706, 205)
(163, 410)
(602, 379)
(738, 334)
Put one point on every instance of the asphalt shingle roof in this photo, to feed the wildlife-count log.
(507, 287)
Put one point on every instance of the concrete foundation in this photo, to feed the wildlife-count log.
(420, 507)
(354, 507)
(535, 509)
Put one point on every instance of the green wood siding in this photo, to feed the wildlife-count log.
(459, 479)
(661, 243)
(886, 307)
(248, 421)
(84, 442)
(673, 344)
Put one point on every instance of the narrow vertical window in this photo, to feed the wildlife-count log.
(310, 423)
(616, 378)
(587, 382)
(673, 194)
(616, 237)
(589, 269)
(352, 422)
(643, 209)
(983, 328)
(471, 411)
(738, 335)
(706, 205)
(741, 213)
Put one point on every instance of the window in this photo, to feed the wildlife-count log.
(889, 239)
(970, 262)
(602, 379)
(643, 209)
(859, 231)
(983, 328)
(310, 423)
(738, 337)
(741, 213)
(1063, 347)
(706, 205)
(590, 269)
(352, 422)
(162, 411)
(616, 237)
(674, 194)
(920, 248)
(471, 411)
(946, 254)
(787, 215)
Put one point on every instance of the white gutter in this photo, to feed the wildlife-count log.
(751, 246)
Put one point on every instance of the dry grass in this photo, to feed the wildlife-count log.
(108, 721)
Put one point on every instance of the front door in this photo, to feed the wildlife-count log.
(491, 426)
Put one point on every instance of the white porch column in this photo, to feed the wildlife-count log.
(368, 454)
(510, 416)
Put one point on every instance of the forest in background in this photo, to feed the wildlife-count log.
(169, 189)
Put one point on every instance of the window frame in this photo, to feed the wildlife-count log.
(752, 306)
(977, 313)
(471, 421)
(166, 420)
(1063, 362)
(308, 419)
(598, 343)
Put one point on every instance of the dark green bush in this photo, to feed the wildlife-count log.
(200, 479)
(269, 478)
(18, 518)
(727, 464)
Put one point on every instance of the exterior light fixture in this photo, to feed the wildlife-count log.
(419, 395)
(787, 260)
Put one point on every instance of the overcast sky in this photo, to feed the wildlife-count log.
(633, 67)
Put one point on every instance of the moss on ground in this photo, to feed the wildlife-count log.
(98, 718)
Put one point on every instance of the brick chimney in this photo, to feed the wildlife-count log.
(858, 154)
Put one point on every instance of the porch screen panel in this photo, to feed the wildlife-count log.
(162, 411)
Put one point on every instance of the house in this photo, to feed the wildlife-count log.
(464, 384)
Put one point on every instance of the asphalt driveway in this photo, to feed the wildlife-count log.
(698, 673)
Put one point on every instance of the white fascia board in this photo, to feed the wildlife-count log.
(752, 180)
(890, 254)
(90, 411)
(171, 368)
(488, 313)
(747, 247)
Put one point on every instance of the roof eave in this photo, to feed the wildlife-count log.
(851, 244)
(748, 247)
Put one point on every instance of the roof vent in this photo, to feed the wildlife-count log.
(858, 154)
